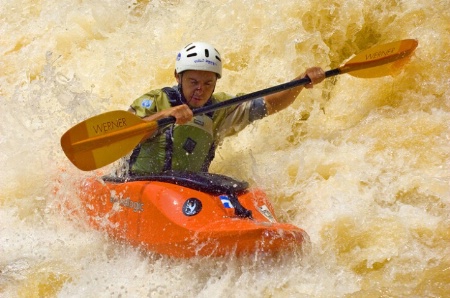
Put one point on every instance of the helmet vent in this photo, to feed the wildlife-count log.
(199, 56)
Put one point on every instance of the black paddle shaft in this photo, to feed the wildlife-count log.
(246, 97)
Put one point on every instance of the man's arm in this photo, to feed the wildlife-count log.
(281, 100)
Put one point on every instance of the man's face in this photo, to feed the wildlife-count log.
(198, 86)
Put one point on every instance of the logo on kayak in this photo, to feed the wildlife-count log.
(226, 201)
(264, 210)
(192, 207)
(136, 206)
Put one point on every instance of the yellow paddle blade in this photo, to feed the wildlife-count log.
(102, 139)
(382, 60)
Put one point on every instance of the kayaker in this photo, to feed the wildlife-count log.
(190, 143)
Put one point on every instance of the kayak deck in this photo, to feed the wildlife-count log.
(187, 215)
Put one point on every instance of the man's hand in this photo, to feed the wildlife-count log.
(315, 74)
(182, 114)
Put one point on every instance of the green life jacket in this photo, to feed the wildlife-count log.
(187, 147)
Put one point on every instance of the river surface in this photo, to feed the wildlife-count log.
(361, 164)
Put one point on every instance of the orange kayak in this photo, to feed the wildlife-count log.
(186, 215)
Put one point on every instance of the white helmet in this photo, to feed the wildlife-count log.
(199, 56)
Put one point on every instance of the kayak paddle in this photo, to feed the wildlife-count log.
(103, 139)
